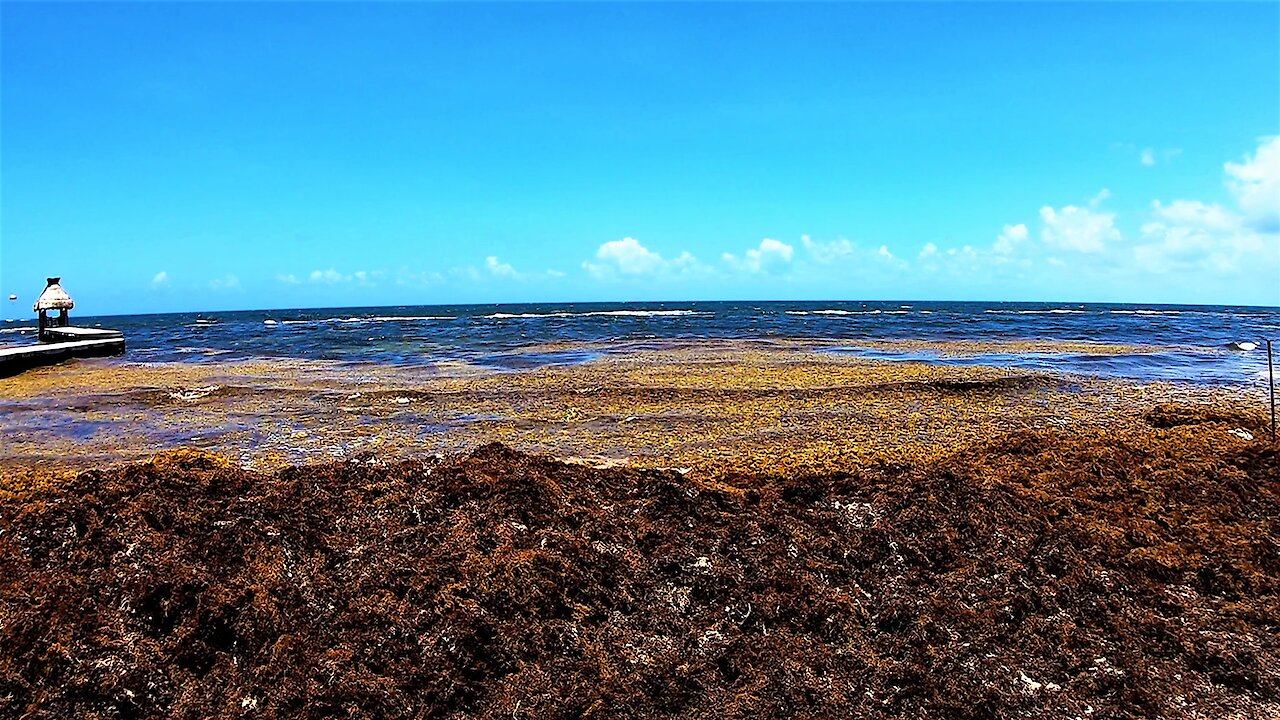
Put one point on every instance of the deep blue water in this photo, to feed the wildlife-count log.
(1196, 338)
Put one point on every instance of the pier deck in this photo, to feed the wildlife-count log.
(14, 360)
(72, 334)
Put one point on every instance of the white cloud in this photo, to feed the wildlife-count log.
(412, 278)
(1196, 236)
(1150, 157)
(160, 279)
(886, 256)
(1194, 212)
(768, 257)
(289, 279)
(1010, 238)
(496, 268)
(328, 277)
(1255, 183)
(1192, 247)
(364, 278)
(928, 251)
(628, 257)
(827, 253)
(499, 269)
(1079, 229)
(226, 282)
(1192, 235)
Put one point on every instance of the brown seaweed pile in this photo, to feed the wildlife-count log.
(1115, 573)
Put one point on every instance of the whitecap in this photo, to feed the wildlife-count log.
(646, 313)
(597, 313)
(368, 319)
(836, 312)
(1055, 311)
(409, 318)
(194, 393)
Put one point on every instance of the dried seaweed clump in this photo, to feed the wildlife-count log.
(1125, 574)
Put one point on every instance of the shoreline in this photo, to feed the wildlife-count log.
(658, 404)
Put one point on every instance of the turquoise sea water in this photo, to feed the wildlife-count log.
(1193, 343)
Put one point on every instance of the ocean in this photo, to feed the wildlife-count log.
(1186, 343)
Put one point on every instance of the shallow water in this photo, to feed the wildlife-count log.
(1210, 366)
(1187, 343)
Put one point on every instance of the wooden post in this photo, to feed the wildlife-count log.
(1271, 385)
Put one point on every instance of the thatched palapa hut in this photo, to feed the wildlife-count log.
(53, 298)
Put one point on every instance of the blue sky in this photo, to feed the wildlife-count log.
(167, 157)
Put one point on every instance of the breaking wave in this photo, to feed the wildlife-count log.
(598, 313)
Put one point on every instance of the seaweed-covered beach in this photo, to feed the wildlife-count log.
(652, 361)
(741, 530)
(712, 404)
(1037, 574)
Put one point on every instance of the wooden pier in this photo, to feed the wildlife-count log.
(58, 339)
(14, 360)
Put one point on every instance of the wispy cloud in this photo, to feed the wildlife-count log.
(494, 268)
(826, 253)
(405, 277)
(226, 282)
(332, 276)
(328, 277)
(160, 279)
(1150, 157)
(1147, 156)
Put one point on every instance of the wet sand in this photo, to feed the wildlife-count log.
(700, 404)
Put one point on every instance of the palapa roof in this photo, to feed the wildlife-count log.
(54, 297)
